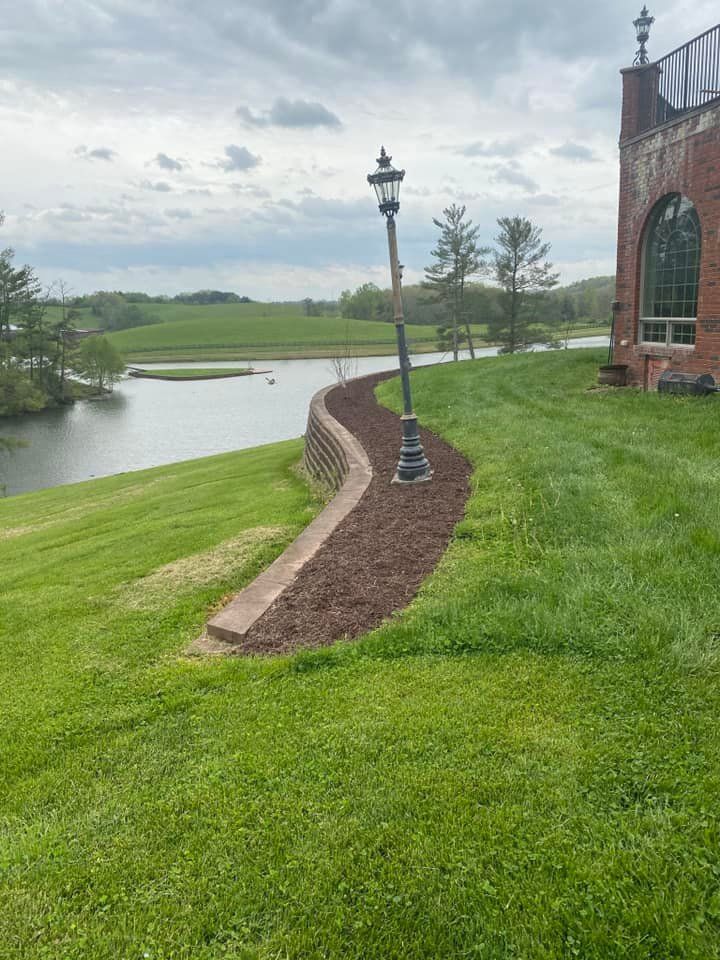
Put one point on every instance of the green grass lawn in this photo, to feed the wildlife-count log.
(524, 764)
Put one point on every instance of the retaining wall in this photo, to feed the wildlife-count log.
(324, 458)
(335, 458)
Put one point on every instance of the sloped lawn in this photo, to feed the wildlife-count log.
(524, 764)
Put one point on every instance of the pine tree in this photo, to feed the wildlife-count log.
(457, 258)
(522, 270)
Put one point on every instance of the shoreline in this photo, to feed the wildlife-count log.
(137, 374)
(247, 352)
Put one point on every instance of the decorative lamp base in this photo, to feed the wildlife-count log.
(413, 466)
(426, 478)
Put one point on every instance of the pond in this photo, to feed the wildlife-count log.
(146, 423)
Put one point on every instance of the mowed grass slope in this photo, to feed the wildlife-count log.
(524, 764)
(255, 331)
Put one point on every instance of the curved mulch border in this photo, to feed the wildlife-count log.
(376, 558)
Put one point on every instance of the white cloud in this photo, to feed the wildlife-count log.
(500, 108)
(168, 163)
(290, 113)
(159, 186)
(237, 158)
(577, 152)
(97, 153)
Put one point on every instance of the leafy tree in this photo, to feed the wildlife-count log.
(113, 312)
(422, 307)
(18, 393)
(522, 271)
(210, 296)
(99, 362)
(368, 302)
(482, 303)
(457, 258)
(313, 308)
(585, 302)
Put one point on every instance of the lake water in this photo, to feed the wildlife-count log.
(146, 423)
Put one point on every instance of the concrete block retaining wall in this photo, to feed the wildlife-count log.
(335, 458)
(324, 457)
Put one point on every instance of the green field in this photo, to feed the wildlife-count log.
(258, 331)
(524, 764)
(254, 331)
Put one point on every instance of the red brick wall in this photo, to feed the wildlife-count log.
(682, 156)
(640, 86)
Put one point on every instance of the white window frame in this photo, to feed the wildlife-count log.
(667, 342)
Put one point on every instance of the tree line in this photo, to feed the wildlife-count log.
(41, 351)
(136, 296)
(511, 289)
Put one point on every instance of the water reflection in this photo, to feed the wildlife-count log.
(146, 423)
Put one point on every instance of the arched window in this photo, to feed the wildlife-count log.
(671, 272)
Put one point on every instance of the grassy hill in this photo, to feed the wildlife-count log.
(523, 764)
(264, 331)
(255, 331)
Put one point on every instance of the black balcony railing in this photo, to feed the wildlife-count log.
(689, 77)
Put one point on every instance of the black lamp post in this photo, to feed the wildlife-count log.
(413, 465)
(642, 29)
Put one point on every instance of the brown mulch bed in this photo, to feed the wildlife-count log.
(377, 557)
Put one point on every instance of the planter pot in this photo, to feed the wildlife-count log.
(613, 375)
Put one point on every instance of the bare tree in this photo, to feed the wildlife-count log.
(63, 327)
(345, 364)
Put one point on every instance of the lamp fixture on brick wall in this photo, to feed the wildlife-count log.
(642, 29)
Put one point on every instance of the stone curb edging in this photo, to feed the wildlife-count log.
(334, 456)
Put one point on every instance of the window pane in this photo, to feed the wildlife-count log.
(654, 332)
(672, 261)
(683, 333)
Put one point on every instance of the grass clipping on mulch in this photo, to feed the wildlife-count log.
(225, 561)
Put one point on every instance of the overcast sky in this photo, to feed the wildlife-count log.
(167, 145)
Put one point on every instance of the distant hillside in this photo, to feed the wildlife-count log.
(254, 331)
(592, 297)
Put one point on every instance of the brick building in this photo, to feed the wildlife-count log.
(667, 313)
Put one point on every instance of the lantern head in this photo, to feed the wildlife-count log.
(386, 182)
(642, 29)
